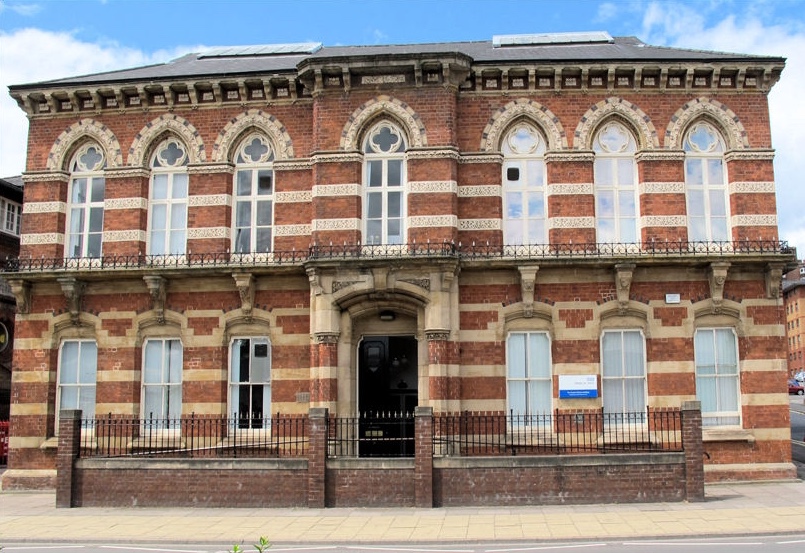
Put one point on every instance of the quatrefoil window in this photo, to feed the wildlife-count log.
(170, 153)
(385, 139)
(255, 149)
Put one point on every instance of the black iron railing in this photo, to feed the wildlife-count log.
(400, 251)
(372, 434)
(491, 434)
(195, 436)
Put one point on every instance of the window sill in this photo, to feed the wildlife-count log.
(50, 443)
(727, 435)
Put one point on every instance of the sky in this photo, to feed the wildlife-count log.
(48, 39)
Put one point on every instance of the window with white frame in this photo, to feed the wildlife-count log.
(162, 383)
(705, 181)
(525, 221)
(168, 199)
(717, 378)
(529, 383)
(615, 174)
(250, 382)
(384, 185)
(11, 217)
(253, 214)
(85, 209)
(78, 368)
(623, 375)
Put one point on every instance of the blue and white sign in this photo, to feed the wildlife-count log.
(573, 386)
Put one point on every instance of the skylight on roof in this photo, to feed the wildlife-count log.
(551, 38)
(262, 50)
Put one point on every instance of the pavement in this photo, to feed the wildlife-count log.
(728, 510)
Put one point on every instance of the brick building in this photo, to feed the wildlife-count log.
(10, 214)
(794, 301)
(529, 224)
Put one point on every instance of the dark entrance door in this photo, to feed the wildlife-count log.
(387, 396)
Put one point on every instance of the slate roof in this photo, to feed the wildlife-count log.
(619, 49)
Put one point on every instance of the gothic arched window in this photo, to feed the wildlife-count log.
(525, 220)
(384, 202)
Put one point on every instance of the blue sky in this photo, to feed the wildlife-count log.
(47, 39)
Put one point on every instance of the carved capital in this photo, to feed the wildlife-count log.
(528, 284)
(244, 282)
(73, 290)
(157, 287)
(623, 283)
(437, 335)
(774, 280)
(326, 337)
(717, 277)
(22, 293)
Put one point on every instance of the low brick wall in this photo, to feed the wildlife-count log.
(572, 479)
(370, 483)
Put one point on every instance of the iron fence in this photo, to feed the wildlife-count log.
(405, 251)
(489, 434)
(371, 434)
(195, 436)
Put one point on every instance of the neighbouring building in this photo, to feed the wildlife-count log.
(794, 301)
(10, 216)
(536, 223)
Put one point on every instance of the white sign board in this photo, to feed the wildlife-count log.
(578, 386)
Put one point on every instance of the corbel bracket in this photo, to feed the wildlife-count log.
(157, 287)
(717, 277)
(22, 293)
(314, 278)
(244, 282)
(623, 283)
(74, 291)
(774, 280)
(528, 283)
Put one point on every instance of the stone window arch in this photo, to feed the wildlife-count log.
(523, 109)
(63, 149)
(163, 125)
(734, 133)
(645, 133)
(383, 107)
(253, 121)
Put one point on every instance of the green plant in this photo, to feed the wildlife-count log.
(261, 546)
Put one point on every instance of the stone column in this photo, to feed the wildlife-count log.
(423, 457)
(694, 450)
(69, 446)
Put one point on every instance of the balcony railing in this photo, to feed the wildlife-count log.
(459, 251)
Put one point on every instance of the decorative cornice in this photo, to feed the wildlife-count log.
(127, 173)
(659, 155)
(432, 153)
(754, 220)
(31, 177)
(661, 188)
(125, 203)
(567, 189)
(433, 187)
(333, 190)
(751, 187)
(44, 207)
(760, 154)
(480, 224)
(293, 165)
(124, 236)
(428, 221)
(205, 233)
(480, 191)
(481, 157)
(336, 157)
(571, 222)
(211, 169)
(295, 197)
(437, 335)
(209, 200)
(292, 230)
(41, 239)
(579, 156)
(319, 225)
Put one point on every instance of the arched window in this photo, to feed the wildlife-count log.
(253, 214)
(623, 375)
(525, 222)
(250, 382)
(85, 209)
(384, 185)
(705, 180)
(615, 184)
(528, 373)
(168, 200)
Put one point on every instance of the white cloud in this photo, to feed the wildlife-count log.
(606, 11)
(33, 55)
(680, 26)
(25, 10)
